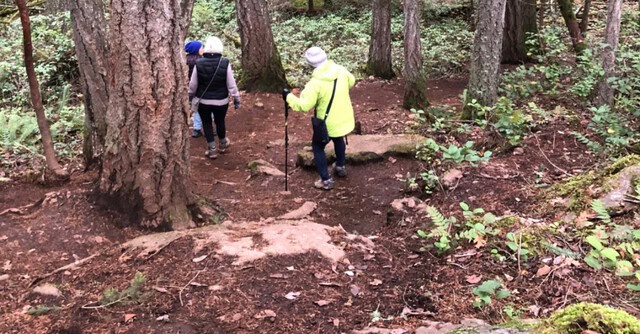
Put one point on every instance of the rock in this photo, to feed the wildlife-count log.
(518, 151)
(410, 202)
(621, 185)
(259, 104)
(306, 209)
(262, 167)
(436, 328)
(368, 148)
(466, 326)
(377, 330)
(48, 290)
(451, 177)
(4, 277)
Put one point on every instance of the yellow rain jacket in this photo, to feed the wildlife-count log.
(317, 93)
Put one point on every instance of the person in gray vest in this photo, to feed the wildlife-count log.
(213, 83)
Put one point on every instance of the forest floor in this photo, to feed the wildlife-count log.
(215, 296)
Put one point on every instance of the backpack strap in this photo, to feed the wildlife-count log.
(333, 93)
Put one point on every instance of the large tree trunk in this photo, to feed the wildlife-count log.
(89, 35)
(520, 21)
(379, 63)
(485, 57)
(569, 16)
(415, 81)
(56, 170)
(584, 22)
(261, 65)
(310, 6)
(608, 55)
(146, 167)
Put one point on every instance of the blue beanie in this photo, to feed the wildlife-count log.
(193, 47)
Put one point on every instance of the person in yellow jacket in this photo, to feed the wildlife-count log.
(340, 121)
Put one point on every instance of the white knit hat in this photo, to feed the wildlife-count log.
(213, 45)
(315, 56)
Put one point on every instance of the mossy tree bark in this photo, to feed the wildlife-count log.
(606, 93)
(261, 65)
(570, 20)
(379, 63)
(56, 172)
(415, 81)
(145, 169)
(90, 38)
(486, 52)
(520, 21)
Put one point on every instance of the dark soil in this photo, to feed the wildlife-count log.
(69, 225)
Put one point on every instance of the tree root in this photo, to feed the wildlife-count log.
(69, 266)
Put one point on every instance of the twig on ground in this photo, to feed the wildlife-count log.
(20, 210)
(507, 177)
(187, 285)
(63, 268)
(518, 255)
(547, 158)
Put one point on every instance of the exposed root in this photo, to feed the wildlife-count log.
(70, 266)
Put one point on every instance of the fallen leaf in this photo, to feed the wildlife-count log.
(375, 282)
(129, 317)
(369, 257)
(376, 212)
(558, 260)
(292, 295)
(3, 238)
(197, 284)
(160, 289)
(583, 220)
(413, 256)
(535, 310)
(330, 284)
(543, 271)
(355, 290)
(291, 268)
(323, 302)
(7, 265)
(4, 277)
(265, 314)
(215, 288)
(48, 290)
(349, 302)
(473, 279)
(163, 318)
(336, 322)
(276, 276)
(236, 317)
(349, 273)
(200, 258)
(98, 240)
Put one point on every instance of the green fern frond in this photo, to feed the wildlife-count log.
(437, 217)
(601, 210)
(592, 145)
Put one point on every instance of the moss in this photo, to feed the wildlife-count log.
(587, 316)
(507, 222)
(622, 163)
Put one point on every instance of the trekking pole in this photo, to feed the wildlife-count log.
(286, 142)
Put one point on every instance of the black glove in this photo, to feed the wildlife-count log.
(236, 102)
(285, 92)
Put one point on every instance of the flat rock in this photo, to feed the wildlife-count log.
(263, 167)
(377, 330)
(621, 185)
(48, 290)
(306, 209)
(474, 326)
(368, 148)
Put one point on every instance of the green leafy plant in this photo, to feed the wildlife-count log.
(601, 210)
(441, 230)
(519, 248)
(112, 296)
(477, 227)
(488, 289)
(41, 310)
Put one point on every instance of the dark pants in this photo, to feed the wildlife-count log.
(219, 113)
(320, 158)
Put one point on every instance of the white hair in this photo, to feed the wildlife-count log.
(213, 45)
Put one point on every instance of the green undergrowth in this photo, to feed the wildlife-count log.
(577, 318)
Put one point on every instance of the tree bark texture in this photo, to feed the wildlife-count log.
(519, 22)
(146, 167)
(310, 6)
(570, 20)
(90, 37)
(485, 57)
(261, 65)
(36, 98)
(379, 63)
(584, 22)
(415, 81)
(606, 93)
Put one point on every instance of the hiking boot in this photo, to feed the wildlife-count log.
(340, 171)
(326, 184)
(212, 152)
(196, 133)
(224, 144)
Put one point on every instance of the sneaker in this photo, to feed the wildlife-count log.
(196, 133)
(326, 184)
(212, 152)
(341, 171)
(224, 144)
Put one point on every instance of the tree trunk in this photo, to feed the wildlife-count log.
(584, 22)
(541, 12)
(485, 57)
(261, 66)
(89, 35)
(415, 81)
(379, 63)
(520, 22)
(310, 7)
(57, 172)
(145, 169)
(608, 55)
(569, 16)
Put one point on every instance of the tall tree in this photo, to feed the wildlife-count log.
(606, 92)
(261, 65)
(415, 81)
(379, 63)
(89, 35)
(56, 170)
(485, 57)
(310, 6)
(570, 20)
(520, 21)
(145, 168)
(584, 22)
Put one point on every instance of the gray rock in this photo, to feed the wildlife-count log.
(466, 326)
(376, 330)
(451, 177)
(48, 290)
(368, 148)
(262, 167)
(621, 185)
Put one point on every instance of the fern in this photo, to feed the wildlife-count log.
(592, 145)
(601, 210)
